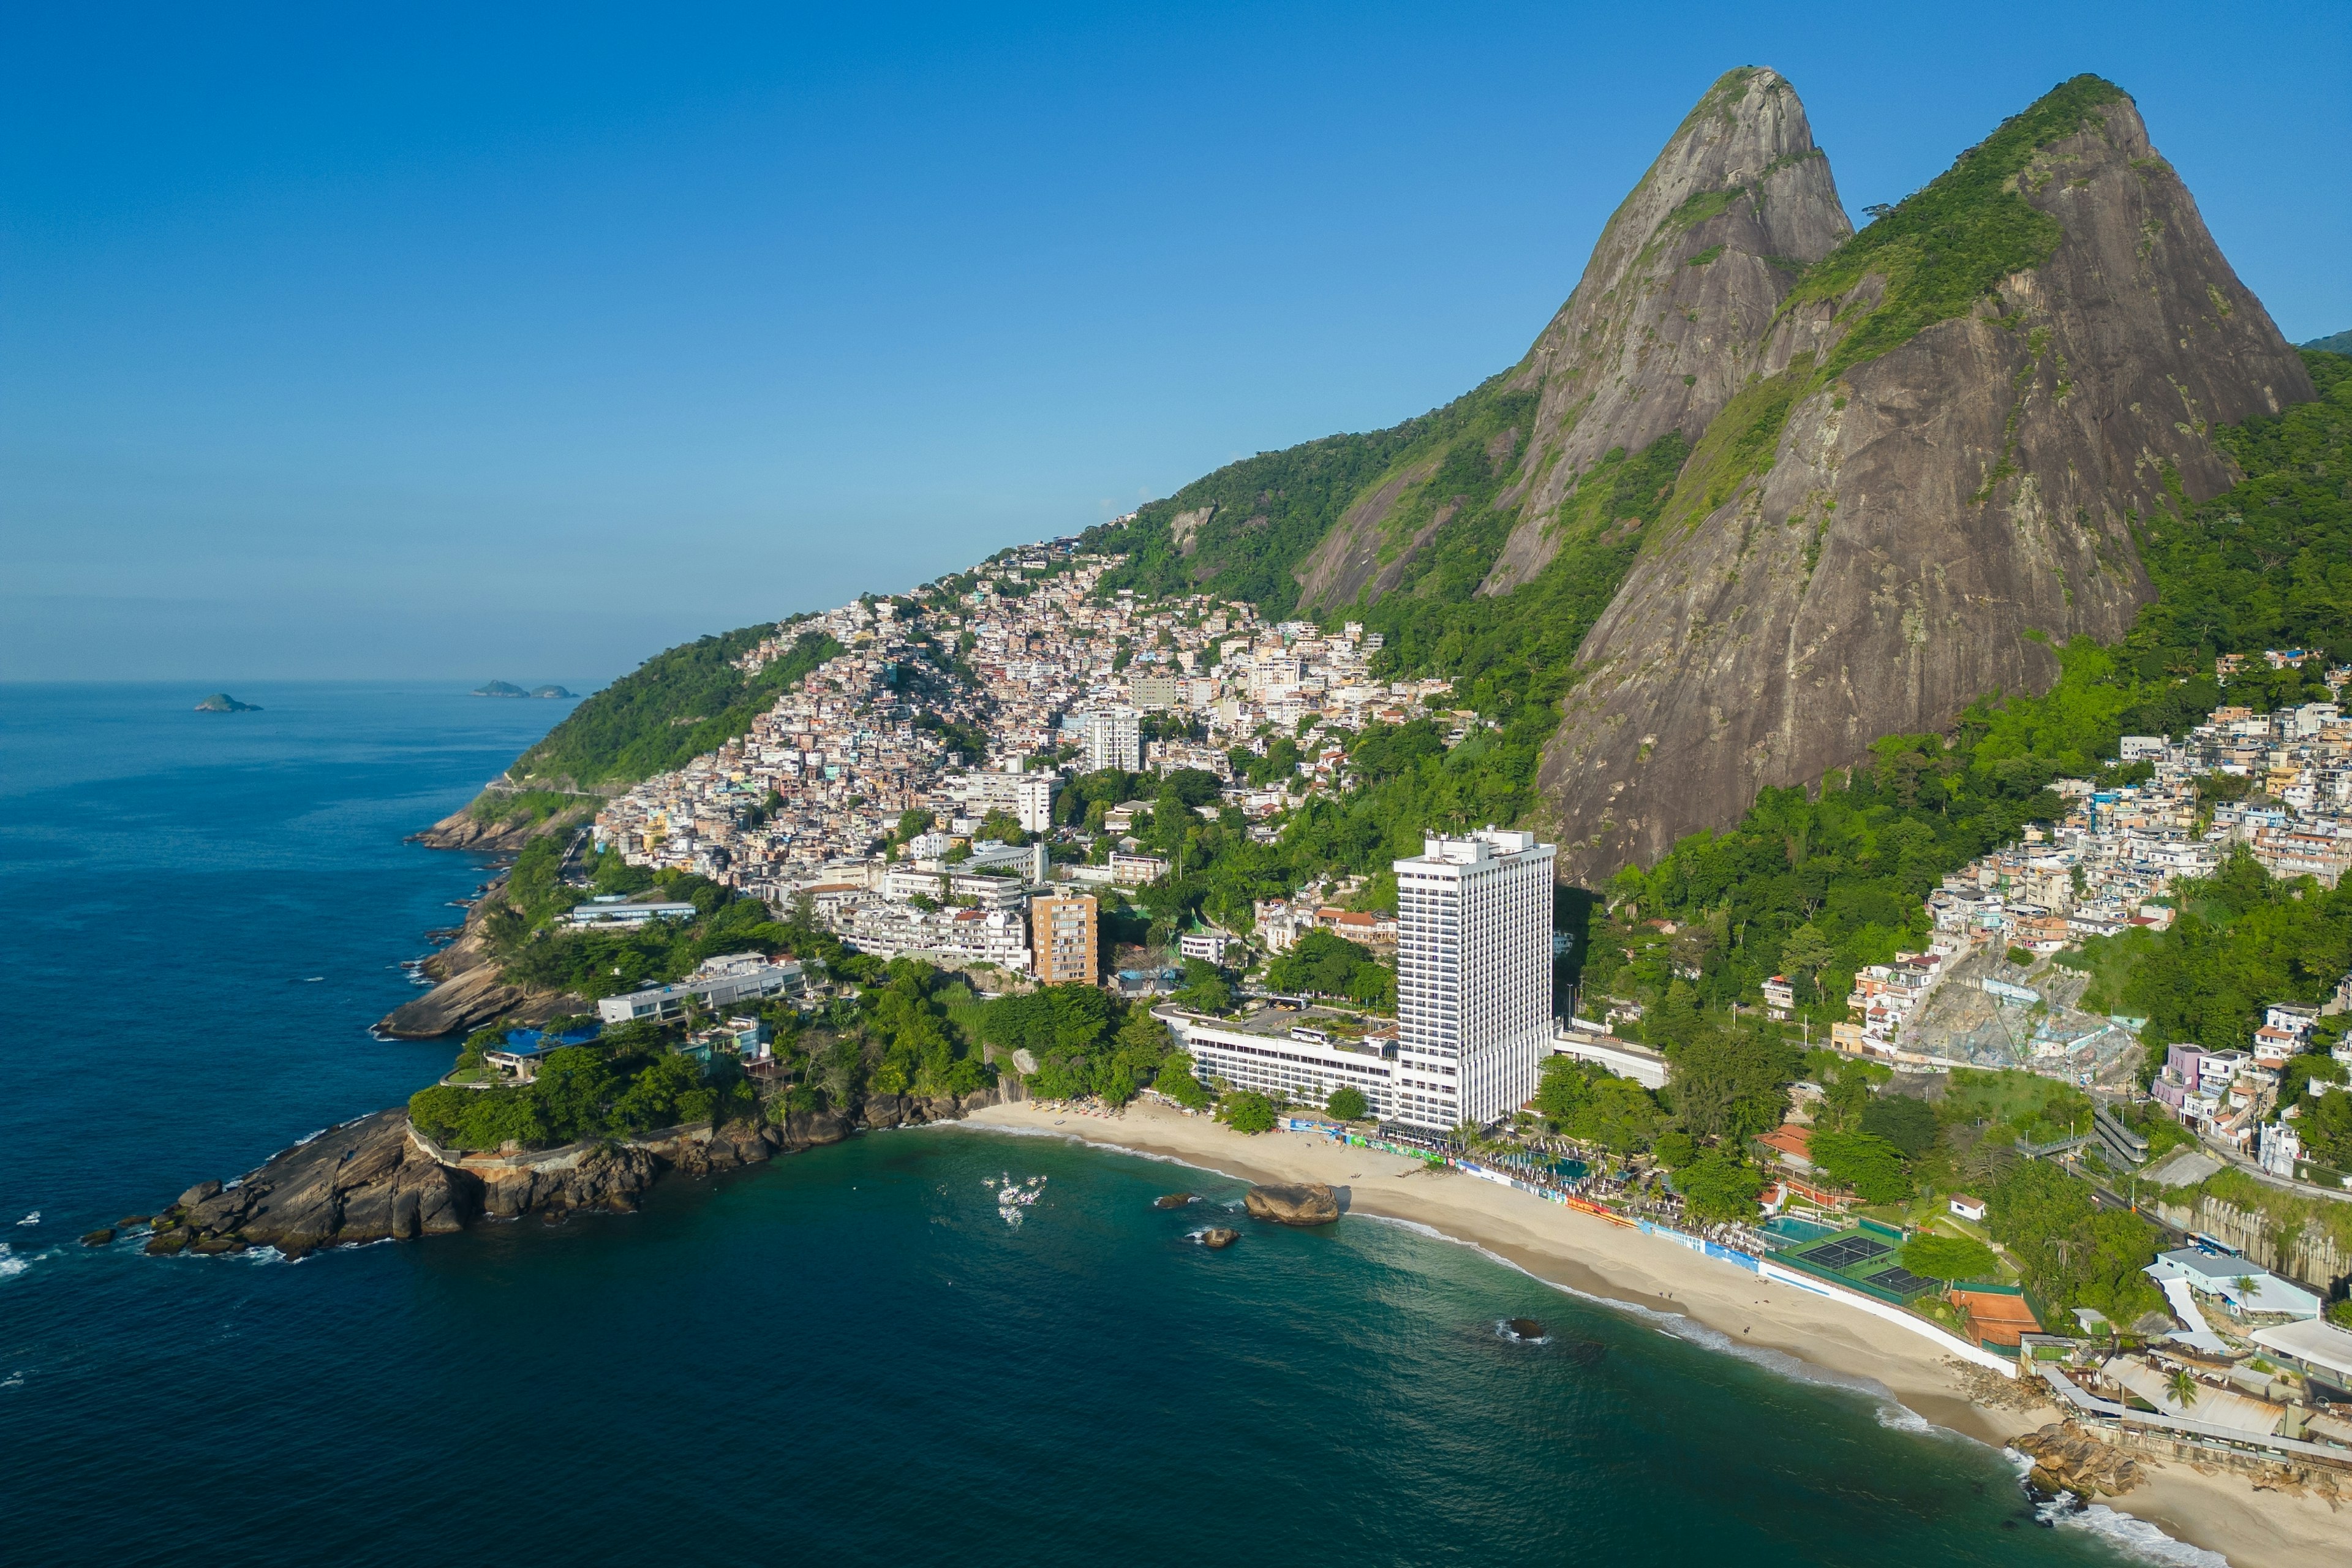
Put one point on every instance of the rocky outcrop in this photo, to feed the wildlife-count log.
(1217, 1237)
(1358, 555)
(1927, 524)
(2066, 1459)
(1306, 1203)
(362, 1181)
(375, 1179)
(1668, 321)
(482, 827)
(472, 992)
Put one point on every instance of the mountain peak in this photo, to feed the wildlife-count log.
(1662, 328)
(1962, 415)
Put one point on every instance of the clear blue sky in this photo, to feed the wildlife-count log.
(481, 342)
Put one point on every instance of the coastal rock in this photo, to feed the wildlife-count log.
(807, 1130)
(361, 1180)
(487, 831)
(371, 1180)
(2067, 1459)
(97, 1238)
(466, 1002)
(1217, 1237)
(608, 1177)
(1173, 1201)
(1306, 1203)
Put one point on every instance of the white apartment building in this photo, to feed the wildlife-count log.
(1115, 740)
(1474, 976)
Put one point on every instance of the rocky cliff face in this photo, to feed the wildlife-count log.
(1861, 549)
(1669, 320)
(470, 992)
(373, 1180)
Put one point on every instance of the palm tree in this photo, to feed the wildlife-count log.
(2181, 1388)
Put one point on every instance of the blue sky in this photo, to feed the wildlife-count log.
(498, 342)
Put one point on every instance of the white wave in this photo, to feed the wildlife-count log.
(33, 1218)
(10, 1264)
(2136, 1536)
(13, 1380)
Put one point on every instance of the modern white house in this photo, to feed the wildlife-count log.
(1474, 976)
(2245, 1286)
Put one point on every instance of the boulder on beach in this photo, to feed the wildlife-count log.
(2069, 1459)
(1173, 1201)
(1308, 1203)
(1220, 1236)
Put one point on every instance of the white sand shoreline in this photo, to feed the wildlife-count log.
(1718, 1305)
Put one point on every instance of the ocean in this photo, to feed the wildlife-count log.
(844, 1356)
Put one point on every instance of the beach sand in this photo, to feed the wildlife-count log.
(2220, 1511)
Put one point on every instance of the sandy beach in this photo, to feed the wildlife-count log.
(2218, 1512)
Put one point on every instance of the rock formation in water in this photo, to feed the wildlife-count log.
(375, 1179)
(1306, 1203)
(1891, 520)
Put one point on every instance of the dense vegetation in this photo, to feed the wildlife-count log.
(627, 1083)
(1268, 514)
(668, 711)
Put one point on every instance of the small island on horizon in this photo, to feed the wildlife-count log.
(221, 702)
(508, 688)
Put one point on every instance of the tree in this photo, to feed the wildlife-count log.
(1949, 1257)
(1319, 963)
(1177, 1082)
(1908, 1124)
(1206, 990)
(1346, 1104)
(1717, 1187)
(1808, 952)
(2181, 1388)
(1620, 1115)
(1249, 1112)
(1868, 1164)
(1675, 1151)
(1562, 1087)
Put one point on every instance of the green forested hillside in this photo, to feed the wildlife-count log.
(673, 708)
(1270, 511)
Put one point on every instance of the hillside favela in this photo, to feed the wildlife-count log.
(1778, 864)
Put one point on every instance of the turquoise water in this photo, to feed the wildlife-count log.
(846, 1356)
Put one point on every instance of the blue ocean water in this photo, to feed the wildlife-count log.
(844, 1356)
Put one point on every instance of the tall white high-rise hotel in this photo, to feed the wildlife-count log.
(1474, 976)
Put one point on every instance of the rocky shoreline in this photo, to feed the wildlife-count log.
(469, 992)
(377, 1178)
